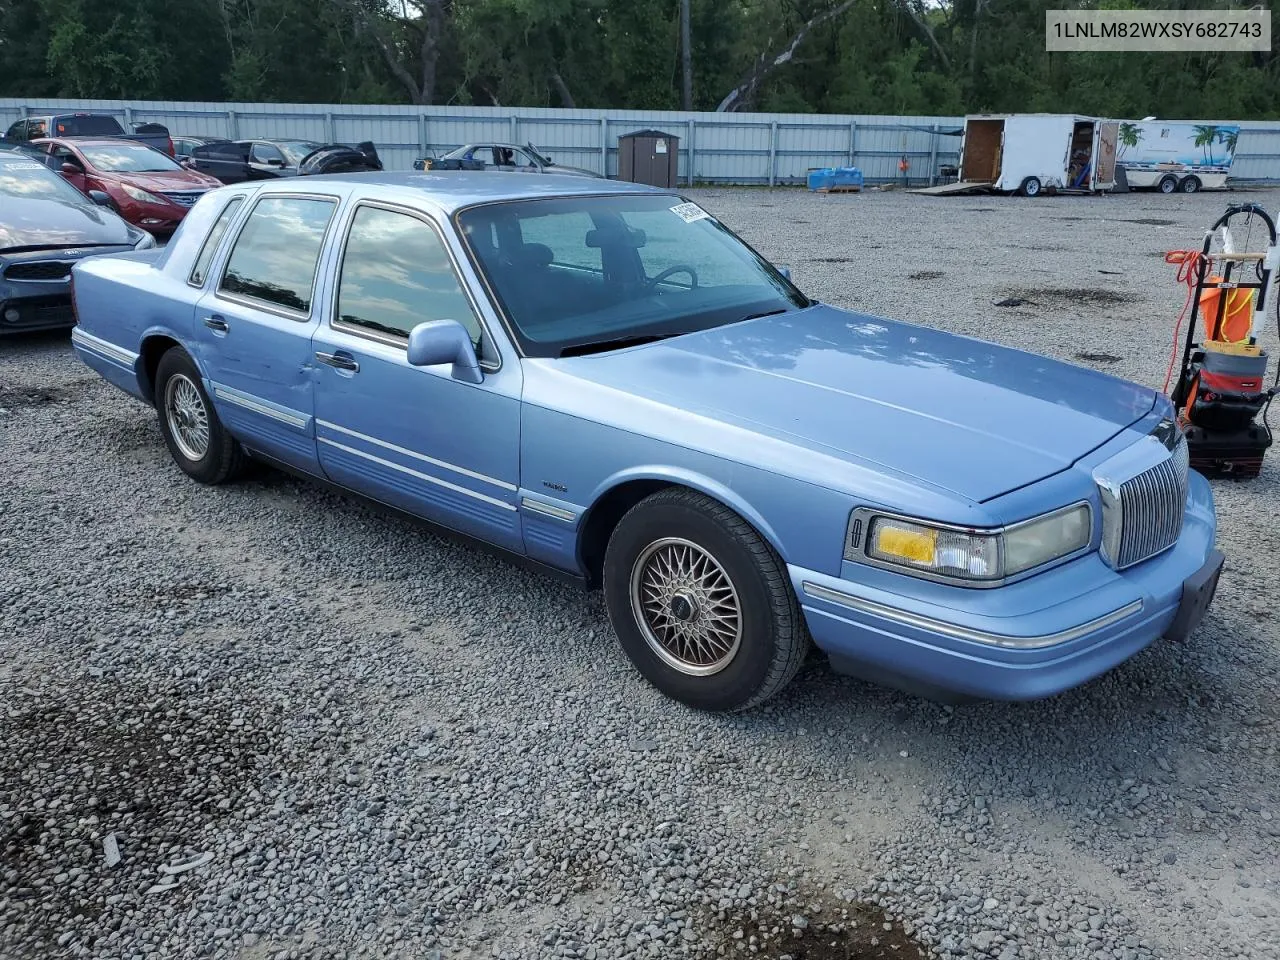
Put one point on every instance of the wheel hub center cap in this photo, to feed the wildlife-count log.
(683, 607)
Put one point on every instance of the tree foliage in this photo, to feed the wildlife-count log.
(838, 56)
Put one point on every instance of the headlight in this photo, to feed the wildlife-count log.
(962, 554)
(142, 196)
(145, 242)
(1046, 538)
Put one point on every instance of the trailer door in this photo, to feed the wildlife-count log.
(1104, 155)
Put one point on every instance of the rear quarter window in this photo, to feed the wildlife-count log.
(199, 272)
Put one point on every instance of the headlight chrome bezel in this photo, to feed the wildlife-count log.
(857, 545)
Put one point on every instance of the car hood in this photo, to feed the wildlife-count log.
(166, 181)
(959, 414)
(55, 223)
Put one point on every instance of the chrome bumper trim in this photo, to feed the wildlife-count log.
(819, 592)
(104, 348)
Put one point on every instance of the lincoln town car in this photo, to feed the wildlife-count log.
(602, 380)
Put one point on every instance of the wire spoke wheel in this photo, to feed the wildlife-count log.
(686, 606)
(187, 417)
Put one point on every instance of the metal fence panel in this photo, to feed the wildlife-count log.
(757, 148)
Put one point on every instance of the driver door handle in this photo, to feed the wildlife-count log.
(341, 361)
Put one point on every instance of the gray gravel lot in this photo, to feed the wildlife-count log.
(392, 745)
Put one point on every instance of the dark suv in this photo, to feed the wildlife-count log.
(89, 125)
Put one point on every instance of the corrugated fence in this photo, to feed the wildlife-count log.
(755, 148)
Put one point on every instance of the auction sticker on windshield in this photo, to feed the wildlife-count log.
(689, 212)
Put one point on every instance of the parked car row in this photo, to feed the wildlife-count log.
(151, 178)
(47, 226)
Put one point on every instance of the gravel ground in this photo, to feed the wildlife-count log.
(367, 741)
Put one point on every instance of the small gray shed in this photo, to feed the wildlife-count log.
(649, 156)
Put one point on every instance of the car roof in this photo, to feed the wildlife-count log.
(453, 190)
(92, 141)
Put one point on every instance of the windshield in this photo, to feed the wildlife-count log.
(585, 274)
(538, 155)
(296, 150)
(127, 158)
(29, 180)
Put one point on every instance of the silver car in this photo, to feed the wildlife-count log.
(507, 157)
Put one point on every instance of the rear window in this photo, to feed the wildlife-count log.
(94, 126)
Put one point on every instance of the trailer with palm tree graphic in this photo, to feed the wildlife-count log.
(1172, 156)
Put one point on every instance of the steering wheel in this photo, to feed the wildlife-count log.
(670, 271)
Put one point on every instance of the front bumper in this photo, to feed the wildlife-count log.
(49, 309)
(1028, 640)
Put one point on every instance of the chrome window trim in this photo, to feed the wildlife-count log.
(231, 201)
(494, 501)
(485, 478)
(265, 305)
(867, 514)
(921, 622)
(486, 364)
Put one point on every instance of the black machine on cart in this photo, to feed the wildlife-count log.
(1221, 395)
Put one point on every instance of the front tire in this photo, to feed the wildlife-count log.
(701, 603)
(1168, 185)
(1031, 187)
(196, 438)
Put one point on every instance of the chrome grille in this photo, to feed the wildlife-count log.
(1144, 497)
(185, 198)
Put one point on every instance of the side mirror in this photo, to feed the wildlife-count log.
(274, 162)
(785, 271)
(102, 199)
(71, 169)
(445, 341)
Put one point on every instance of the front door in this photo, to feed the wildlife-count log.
(1104, 152)
(413, 437)
(252, 333)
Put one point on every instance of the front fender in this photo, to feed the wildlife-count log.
(694, 480)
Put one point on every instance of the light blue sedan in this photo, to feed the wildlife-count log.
(603, 380)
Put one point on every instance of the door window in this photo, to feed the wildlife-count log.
(275, 256)
(17, 131)
(396, 274)
(265, 153)
(211, 242)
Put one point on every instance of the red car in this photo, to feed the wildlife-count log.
(149, 189)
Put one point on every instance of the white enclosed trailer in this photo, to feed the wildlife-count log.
(1029, 153)
(1171, 156)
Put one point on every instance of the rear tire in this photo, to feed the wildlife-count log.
(701, 603)
(1190, 185)
(1167, 185)
(196, 438)
(1031, 187)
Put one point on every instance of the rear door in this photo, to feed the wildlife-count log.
(226, 161)
(1104, 152)
(253, 328)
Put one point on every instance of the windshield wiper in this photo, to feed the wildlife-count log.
(618, 343)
